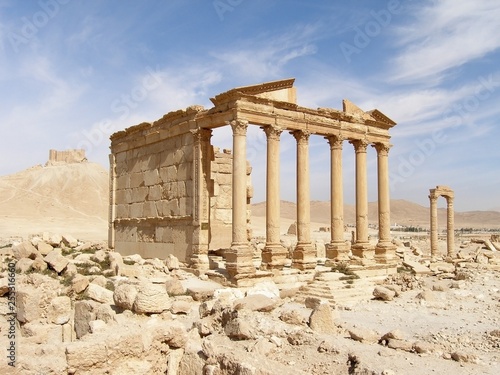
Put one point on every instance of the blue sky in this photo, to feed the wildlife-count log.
(73, 72)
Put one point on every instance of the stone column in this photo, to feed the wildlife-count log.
(338, 248)
(274, 254)
(201, 199)
(450, 228)
(239, 262)
(304, 255)
(385, 251)
(362, 247)
(112, 201)
(434, 227)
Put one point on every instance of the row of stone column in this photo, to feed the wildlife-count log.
(239, 258)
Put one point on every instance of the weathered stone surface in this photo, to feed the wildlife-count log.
(69, 240)
(172, 262)
(322, 319)
(105, 313)
(314, 302)
(23, 265)
(124, 296)
(56, 261)
(4, 286)
(151, 298)
(417, 267)
(44, 248)
(423, 347)
(174, 287)
(97, 326)
(79, 283)
(24, 250)
(116, 262)
(383, 294)
(27, 304)
(181, 307)
(293, 317)
(267, 288)
(54, 239)
(400, 345)
(256, 302)
(363, 335)
(239, 329)
(85, 312)
(39, 264)
(461, 356)
(60, 310)
(86, 355)
(100, 294)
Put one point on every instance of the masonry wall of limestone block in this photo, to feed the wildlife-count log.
(154, 198)
(68, 156)
(221, 174)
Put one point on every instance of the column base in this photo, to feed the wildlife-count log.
(385, 253)
(274, 256)
(363, 250)
(239, 261)
(304, 256)
(338, 251)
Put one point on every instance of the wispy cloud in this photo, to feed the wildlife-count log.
(446, 34)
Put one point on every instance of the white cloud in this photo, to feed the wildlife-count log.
(446, 34)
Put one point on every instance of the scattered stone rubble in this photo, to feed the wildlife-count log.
(82, 309)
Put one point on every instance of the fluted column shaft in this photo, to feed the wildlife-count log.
(273, 255)
(385, 250)
(338, 248)
(362, 245)
(450, 228)
(239, 262)
(304, 255)
(434, 227)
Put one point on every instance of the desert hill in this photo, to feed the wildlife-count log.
(63, 197)
(402, 212)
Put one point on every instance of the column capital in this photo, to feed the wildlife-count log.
(359, 145)
(433, 198)
(335, 141)
(302, 136)
(382, 148)
(201, 134)
(239, 126)
(273, 132)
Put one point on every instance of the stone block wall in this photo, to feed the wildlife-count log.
(221, 175)
(68, 156)
(154, 198)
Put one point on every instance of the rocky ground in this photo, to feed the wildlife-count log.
(82, 309)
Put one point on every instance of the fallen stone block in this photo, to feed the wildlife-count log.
(322, 319)
(85, 312)
(383, 294)
(364, 335)
(151, 298)
(44, 248)
(418, 268)
(100, 294)
(25, 250)
(56, 261)
(59, 311)
(256, 302)
(69, 240)
(28, 305)
(124, 296)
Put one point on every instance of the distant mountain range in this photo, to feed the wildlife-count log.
(402, 213)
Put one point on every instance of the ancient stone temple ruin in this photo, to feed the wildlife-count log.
(172, 192)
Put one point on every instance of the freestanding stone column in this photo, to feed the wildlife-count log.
(239, 257)
(450, 227)
(434, 226)
(304, 256)
(385, 251)
(274, 254)
(338, 248)
(362, 247)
